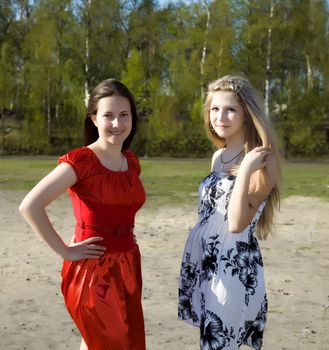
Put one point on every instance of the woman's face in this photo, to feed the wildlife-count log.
(227, 116)
(113, 119)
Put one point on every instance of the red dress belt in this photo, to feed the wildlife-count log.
(119, 231)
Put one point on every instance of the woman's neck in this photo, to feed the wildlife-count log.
(234, 144)
(106, 149)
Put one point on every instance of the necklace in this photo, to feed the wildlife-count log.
(224, 163)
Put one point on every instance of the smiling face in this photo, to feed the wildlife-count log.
(113, 119)
(227, 116)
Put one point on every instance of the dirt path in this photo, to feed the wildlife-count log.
(296, 264)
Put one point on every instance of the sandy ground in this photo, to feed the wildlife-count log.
(296, 259)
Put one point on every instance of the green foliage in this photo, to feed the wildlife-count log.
(134, 74)
(222, 41)
(52, 50)
(34, 131)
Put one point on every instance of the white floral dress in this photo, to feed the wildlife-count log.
(221, 285)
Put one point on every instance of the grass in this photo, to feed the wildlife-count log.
(306, 179)
(22, 173)
(171, 181)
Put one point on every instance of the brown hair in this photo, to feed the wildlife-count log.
(259, 132)
(108, 87)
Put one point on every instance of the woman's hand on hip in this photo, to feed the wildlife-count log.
(84, 250)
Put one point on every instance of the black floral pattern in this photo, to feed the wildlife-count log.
(220, 271)
(253, 331)
(231, 178)
(185, 308)
(244, 263)
(188, 278)
(189, 273)
(209, 263)
(212, 192)
(213, 334)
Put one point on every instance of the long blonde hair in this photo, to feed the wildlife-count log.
(259, 132)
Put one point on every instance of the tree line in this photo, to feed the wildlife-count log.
(54, 52)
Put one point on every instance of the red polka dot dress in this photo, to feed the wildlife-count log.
(103, 296)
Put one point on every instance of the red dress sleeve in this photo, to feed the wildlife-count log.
(133, 161)
(79, 159)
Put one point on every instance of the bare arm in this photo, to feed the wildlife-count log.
(246, 200)
(33, 209)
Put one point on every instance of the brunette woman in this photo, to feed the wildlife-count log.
(101, 275)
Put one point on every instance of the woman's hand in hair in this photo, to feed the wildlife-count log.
(251, 188)
(256, 159)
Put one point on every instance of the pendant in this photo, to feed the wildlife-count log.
(222, 167)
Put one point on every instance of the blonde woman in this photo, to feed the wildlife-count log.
(222, 288)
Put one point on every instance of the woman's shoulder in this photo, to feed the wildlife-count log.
(133, 161)
(215, 158)
(76, 155)
(79, 159)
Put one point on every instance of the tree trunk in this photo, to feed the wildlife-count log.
(48, 108)
(204, 49)
(3, 115)
(219, 74)
(58, 87)
(268, 63)
(87, 54)
(309, 73)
